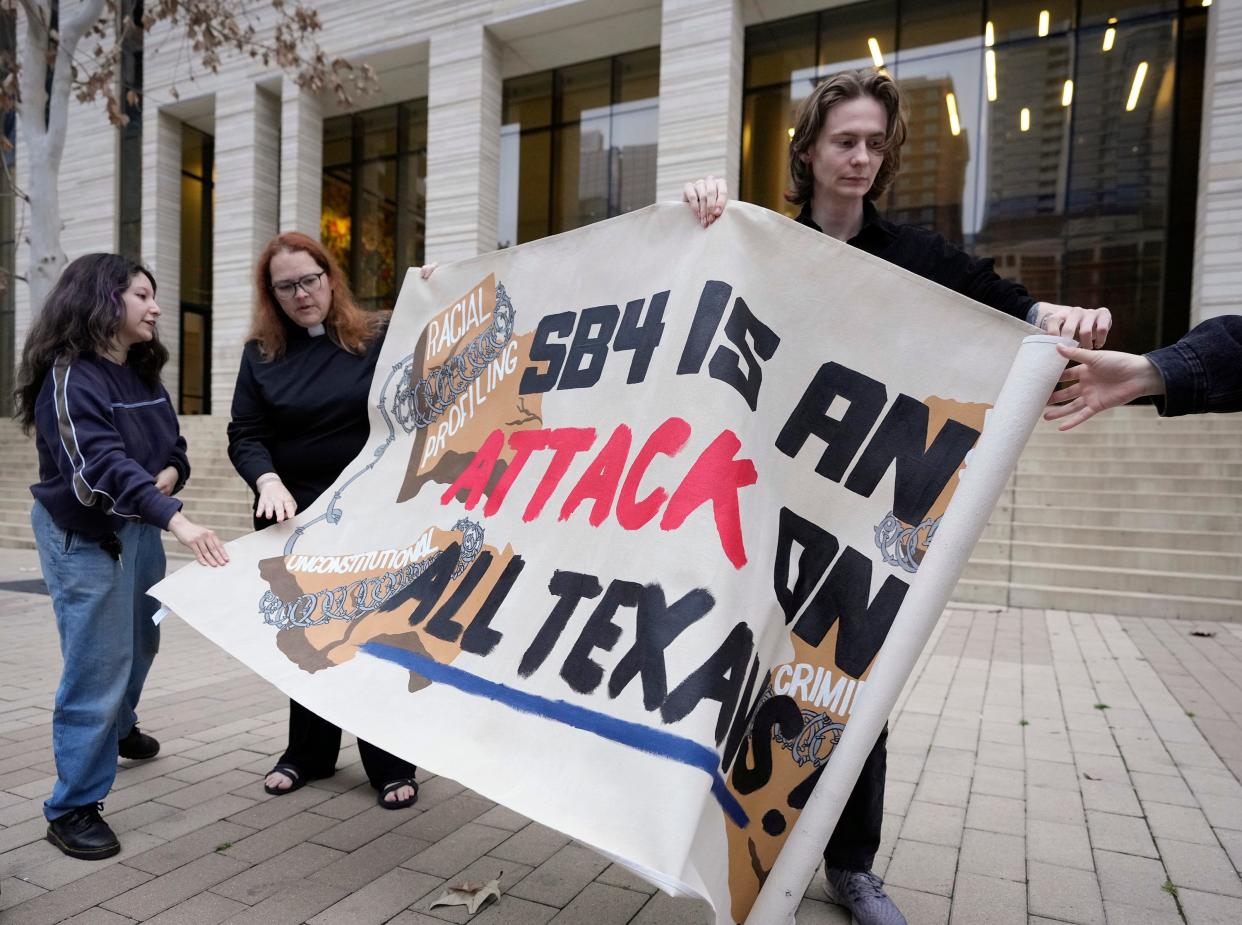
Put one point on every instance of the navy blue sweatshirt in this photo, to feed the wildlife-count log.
(302, 416)
(932, 257)
(103, 435)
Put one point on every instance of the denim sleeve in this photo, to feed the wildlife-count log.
(1202, 372)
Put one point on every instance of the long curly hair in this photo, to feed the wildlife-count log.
(847, 85)
(351, 327)
(83, 314)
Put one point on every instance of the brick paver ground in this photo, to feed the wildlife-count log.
(1044, 767)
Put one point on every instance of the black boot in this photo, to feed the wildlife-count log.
(138, 745)
(82, 833)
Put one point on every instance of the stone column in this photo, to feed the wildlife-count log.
(700, 94)
(161, 230)
(247, 187)
(463, 143)
(301, 160)
(1218, 232)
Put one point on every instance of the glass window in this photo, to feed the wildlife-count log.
(596, 160)
(528, 101)
(1046, 145)
(338, 141)
(195, 361)
(197, 206)
(582, 89)
(926, 28)
(8, 229)
(129, 186)
(857, 35)
(1095, 12)
(1023, 19)
(375, 197)
(774, 51)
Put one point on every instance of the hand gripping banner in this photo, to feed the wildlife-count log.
(641, 505)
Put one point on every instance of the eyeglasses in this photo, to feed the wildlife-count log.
(288, 289)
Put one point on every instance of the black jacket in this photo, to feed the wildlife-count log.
(302, 416)
(932, 257)
(1202, 371)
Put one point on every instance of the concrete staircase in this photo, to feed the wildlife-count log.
(215, 496)
(1130, 513)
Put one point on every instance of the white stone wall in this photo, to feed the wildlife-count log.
(301, 160)
(700, 94)
(246, 217)
(463, 143)
(1217, 287)
(161, 229)
(269, 133)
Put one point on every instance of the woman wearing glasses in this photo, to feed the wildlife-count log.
(299, 418)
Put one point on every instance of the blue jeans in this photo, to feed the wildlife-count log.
(107, 643)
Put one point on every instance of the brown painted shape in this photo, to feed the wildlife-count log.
(751, 850)
(503, 407)
(317, 648)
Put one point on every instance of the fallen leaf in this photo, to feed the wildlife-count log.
(1202, 632)
(1088, 776)
(469, 894)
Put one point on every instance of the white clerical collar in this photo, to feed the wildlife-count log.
(315, 330)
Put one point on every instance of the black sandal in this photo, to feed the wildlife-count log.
(392, 787)
(290, 772)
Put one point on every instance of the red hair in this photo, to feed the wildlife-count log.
(349, 326)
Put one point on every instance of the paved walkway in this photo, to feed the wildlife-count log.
(1044, 767)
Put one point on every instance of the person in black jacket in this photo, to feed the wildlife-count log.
(111, 457)
(299, 418)
(1198, 374)
(844, 153)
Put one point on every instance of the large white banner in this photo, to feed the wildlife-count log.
(640, 505)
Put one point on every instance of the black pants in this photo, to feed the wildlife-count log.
(314, 744)
(856, 838)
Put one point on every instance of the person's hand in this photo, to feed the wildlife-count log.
(1088, 326)
(706, 198)
(425, 271)
(204, 543)
(1103, 379)
(275, 502)
(166, 480)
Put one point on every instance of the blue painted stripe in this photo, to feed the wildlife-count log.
(138, 404)
(644, 738)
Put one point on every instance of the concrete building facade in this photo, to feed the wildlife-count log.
(461, 59)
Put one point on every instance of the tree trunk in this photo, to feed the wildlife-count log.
(43, 136)
(47, 257)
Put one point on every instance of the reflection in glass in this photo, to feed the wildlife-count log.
(1051, 153)
(197, 206)
(597, 160)
(195, 361)
(373, 217)
(8, 230)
